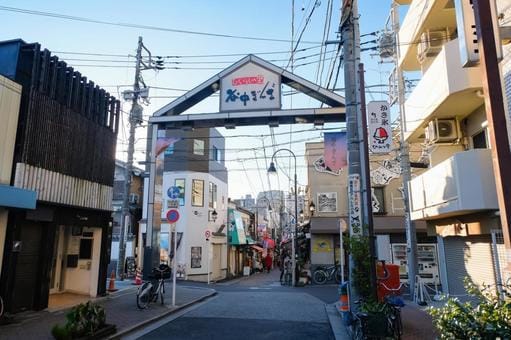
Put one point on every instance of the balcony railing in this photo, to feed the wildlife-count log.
(446, 90)
(459, 185)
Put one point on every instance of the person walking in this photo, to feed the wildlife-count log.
(282, 265)
(268, 262)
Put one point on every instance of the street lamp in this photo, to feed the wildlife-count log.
(273, 170)
(312, 208)
(214, 215)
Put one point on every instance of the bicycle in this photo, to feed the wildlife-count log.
(149, 292)
(393, 303)
(323, 274)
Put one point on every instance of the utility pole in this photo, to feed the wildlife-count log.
(133, 121)
(496, 116)
(411, 235)
(135, 118)
(357, 158)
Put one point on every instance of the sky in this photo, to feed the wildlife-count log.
(105, 53)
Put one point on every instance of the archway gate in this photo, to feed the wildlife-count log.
(250, 95)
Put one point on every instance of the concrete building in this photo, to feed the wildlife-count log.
(445, 112)
(328, 190)
(135, 208)
(196, 165)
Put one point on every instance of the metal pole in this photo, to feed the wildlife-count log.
(411, 235)
(208, 260)
(129, 164)
(293, 249)
(341, 251)
(174, 267)
(496, 116)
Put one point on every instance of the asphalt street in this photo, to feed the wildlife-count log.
(257, 307)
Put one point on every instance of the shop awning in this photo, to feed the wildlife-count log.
(13, 197)
(257, 248)
(325, 225)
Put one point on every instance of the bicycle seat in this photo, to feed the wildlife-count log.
(395, 301)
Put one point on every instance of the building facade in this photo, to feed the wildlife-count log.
(445, 112)
(328, 191)
(196, 165)
(65, 151)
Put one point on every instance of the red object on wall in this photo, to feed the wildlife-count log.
(392, 282)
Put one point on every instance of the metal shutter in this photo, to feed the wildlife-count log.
(468, 257)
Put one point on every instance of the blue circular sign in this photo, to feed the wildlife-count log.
(173, 192)
(172, 216)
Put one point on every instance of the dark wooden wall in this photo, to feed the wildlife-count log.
(67, 124)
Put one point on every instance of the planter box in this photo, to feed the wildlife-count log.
(103, 332)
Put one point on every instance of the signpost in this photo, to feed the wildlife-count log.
(207, 233)
(173, 217)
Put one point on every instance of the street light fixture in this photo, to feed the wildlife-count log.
(312, 208)
(273, 170)
(214, 215)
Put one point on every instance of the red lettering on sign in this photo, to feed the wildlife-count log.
(248, 80)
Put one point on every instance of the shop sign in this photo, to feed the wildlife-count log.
(379, 129)
(250, 87)
(354, 205)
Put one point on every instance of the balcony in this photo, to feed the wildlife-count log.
(421, 16)
(446, 90)
(459, 185)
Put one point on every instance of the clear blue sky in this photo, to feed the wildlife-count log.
(264, 18)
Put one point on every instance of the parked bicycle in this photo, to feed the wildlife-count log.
(150, 291)
(323, 274)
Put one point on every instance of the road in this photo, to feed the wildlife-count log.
(257, 307)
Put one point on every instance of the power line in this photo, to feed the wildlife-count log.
(139, 26)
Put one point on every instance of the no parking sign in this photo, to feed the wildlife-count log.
(172, 216)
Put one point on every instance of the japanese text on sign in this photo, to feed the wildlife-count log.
(354, 205)
(379, 130)
(250, 87)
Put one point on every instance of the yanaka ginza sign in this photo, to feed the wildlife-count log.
(251, 87)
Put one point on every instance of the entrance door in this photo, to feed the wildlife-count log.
(217, 262)
(57, 261)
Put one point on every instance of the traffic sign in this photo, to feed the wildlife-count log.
(173, 192)
(172, 203)
(207, 233)
(172, 216)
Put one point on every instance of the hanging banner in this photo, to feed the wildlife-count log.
(251, 87)
(354, 205)
(379, 129)
(162, 143)
(335, 152)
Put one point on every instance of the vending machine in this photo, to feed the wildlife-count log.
(427, 258)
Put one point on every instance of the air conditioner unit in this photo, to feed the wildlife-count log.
(133, 198)
(442, 131)
(431, 43)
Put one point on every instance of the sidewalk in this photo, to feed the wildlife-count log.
(417, 324)
(120, 307)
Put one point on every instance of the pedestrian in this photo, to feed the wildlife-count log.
(282, 266)
(268, 262)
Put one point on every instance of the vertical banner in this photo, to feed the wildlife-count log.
(379, 129)
(335, 152)
(354, 205)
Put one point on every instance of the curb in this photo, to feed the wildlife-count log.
(118, 335)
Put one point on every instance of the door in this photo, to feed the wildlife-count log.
(57, 261)
(216, 266)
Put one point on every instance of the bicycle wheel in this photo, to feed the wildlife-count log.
(319, 277)
(398, 324)
(144, 295)
(337, 276)
(357, 331)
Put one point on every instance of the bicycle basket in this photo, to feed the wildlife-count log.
(157, 274)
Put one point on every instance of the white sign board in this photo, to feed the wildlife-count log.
(467, 33)
(379, 129)
(251, 87)
(354, 205)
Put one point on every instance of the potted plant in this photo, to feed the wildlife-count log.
(85, 321)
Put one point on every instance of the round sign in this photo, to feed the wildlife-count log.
(207, 233)
(172, 215)
(173, 192)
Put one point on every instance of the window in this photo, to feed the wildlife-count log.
(479, 140)
(169, 150)
(197, 193)
(212, 195)
(180, 183)
(378, 199)
(327, 202)
(85, 249)
(217, 155)
(198, 147)
(196, 257)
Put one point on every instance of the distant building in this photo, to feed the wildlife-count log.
(65, 151)
(248, 202)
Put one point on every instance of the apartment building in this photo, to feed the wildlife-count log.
(445, 113)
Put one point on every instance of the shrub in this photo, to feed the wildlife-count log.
(358, 247)
(489, 317)
(83, 320)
